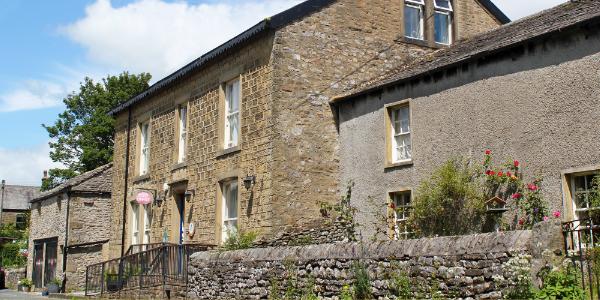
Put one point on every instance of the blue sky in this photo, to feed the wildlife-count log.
(48, 47)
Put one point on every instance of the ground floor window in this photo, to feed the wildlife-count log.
(584, 194)
(229, 226)
(141, 221)
(400, 204)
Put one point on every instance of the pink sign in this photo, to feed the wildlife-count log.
(143, 198)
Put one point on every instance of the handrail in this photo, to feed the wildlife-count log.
(160, 264)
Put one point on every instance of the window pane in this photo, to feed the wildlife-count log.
(442, 28)
(232, 201)
(443, 4)
(580, 184)
(412, 22)
(403, 147)
(235, 96)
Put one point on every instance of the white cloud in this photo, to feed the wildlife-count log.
(33, 94)
(159, 37)
(25, 166)
(516, 9)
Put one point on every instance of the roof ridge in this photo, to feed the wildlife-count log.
(77, 180)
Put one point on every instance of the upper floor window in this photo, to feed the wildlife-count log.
(442, 21)
(229, 223)
(144, 147)
(400, 131)
(21, 221)
(232, 113)
(401, 205)
(413, 18)
(182, 134)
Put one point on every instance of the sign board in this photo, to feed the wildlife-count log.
(144, 198)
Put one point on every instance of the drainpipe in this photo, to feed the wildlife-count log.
(64, 266)
(125, 181)
(2, 201)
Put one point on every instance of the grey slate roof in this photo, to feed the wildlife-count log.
(97, 181)
(17, 197)
(507, 36)
(273, 23)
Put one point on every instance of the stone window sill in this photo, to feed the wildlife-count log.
(225, 152)
(407, 163)
(178, 166)
(141, 178)
(423, 43)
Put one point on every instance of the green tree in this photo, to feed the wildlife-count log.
(82, 137)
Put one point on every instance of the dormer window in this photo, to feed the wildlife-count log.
(413, 19)
(442, 20)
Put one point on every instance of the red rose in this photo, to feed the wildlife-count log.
(508, 174)
(516, 196)
(500, 174)
(521, 221)
(492, 173)
(488, 152)
(516, 163)
(532, 187)
(392, 206)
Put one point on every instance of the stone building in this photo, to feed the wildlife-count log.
(70, 229)
(528, 90)
(243, 138)
(14, 200)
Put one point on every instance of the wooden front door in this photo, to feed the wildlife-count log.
(38, 264)
(45, 254)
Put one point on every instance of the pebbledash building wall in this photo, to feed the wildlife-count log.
(529, 91)
(70, 229)
(288, 68)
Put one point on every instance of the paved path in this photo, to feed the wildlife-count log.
(11, 294)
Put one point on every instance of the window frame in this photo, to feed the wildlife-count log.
(568, 188)
(226, 191)
(420, 6)
(144, 157)
(407, 206)
(390, 134)
(23, 222)
(182, 133)
(227, 142)
(449, 13)
(135, 223)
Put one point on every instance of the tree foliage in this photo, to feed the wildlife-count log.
(82, 137)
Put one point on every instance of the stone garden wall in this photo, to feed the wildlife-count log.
(469, 267)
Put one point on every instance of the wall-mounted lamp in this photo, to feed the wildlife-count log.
(158, 201)
(189, 194)
(249, 181)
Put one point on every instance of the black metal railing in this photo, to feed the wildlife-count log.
(161, 264)
(582, 246)
(133, 249)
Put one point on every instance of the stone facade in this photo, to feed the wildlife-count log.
(466, 267)
(288, 133)
(535, 101)
(84, 203)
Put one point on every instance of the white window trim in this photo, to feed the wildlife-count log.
(228, 142)
(442, 8)
(225, 218)
(419, 2)
(182, 133)
(574, 193)
(397, 221)
(421, 8)
(450, 21)
(144, 148)
(135, 226)
(394, 134)
(147, 215)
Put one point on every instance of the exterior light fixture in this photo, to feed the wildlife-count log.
(249, 181)
(189, 194)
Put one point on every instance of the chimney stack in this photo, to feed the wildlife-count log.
(45, 174)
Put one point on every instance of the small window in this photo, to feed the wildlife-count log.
(400, 131)
(144, 147)
(442, 20)
(584, 188)
(232, 113)
(402, 208)
(21, 222)
(413, 19)
(135, 223)
(182, 134)
(230, 209)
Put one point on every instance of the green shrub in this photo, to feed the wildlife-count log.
(451, 202)
(26, 282)
(12, 254)
(561, 284)
(400, 286)
(238, 240)
(362, 281)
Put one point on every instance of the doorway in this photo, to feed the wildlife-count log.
(45, 253)
(180, 201)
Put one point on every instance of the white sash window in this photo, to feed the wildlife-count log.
(413, 19)
(232, 113)
(182, 134)
(230, 209)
